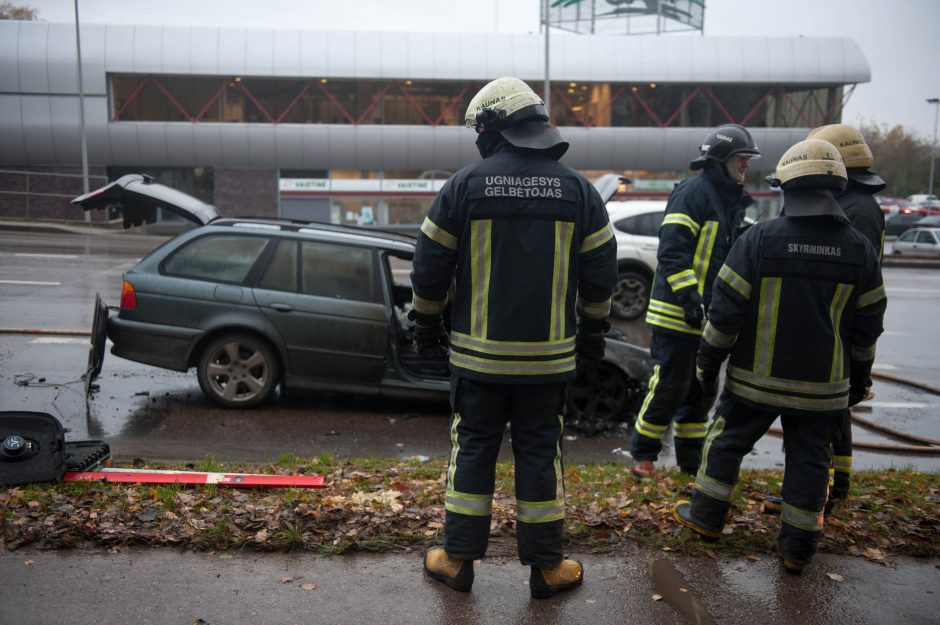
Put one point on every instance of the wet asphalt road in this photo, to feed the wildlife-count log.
(48, 281)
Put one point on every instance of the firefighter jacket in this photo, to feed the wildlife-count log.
(859, 205)
(798, 304)
(527, 239)
(702, 220)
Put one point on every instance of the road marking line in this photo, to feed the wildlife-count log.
(904, 289)
(30, 283)
(897, 404)
(58, 340)
(885, 367)
(47, 255)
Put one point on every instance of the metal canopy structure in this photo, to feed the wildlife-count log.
(625, 17)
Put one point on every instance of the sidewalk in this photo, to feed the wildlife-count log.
(169, 587)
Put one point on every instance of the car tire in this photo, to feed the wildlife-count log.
(238, 370)
(600, 394)
(631, 296)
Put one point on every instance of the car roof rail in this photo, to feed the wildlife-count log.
(406, 233)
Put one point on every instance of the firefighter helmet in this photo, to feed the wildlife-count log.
(811, 163)
(511, 107)
(856, 155)
(724, 142)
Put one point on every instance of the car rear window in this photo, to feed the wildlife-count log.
(338, 271)
(646, 225)
(221, 257)
(281, 273)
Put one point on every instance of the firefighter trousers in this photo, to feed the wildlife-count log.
(807, 443)
(842, 460)
(674, 393)
(534, 413)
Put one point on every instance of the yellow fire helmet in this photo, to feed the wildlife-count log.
(814, 162)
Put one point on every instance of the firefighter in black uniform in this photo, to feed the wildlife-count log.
(858, 203)
(798, 305)
(531, 249)
(703, 217)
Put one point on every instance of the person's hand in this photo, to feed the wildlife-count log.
(590, 345)
(708, 380)
(429, 334)
(694, 314)
(857, 394)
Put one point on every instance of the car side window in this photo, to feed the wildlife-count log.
(281, 273)
(339, 271)
(907, 237)
(222, 257)
(648, 224)
(925, 237)
(627, 224)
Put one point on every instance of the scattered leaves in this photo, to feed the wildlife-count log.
(835, 577)
(657, 597)
(309, 586)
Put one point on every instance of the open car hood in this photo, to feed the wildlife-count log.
(608, 184)
(139, 196)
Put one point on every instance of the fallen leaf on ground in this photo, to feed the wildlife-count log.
(590, 601)
(835, 577)
(287, 580)
(752, 558)
(657, 597)
(309, 586)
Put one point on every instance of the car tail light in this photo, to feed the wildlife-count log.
(128, 296)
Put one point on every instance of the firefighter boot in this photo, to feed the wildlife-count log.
(682, 513)
(791, 564)
(458, 574)
(547, 581)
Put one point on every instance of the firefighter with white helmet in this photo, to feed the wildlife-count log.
(858, 203)
(529, 246)
(703, 218)
(797, 308)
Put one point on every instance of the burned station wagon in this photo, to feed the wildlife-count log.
(256, 303)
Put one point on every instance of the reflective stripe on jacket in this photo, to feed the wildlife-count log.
(530, 244)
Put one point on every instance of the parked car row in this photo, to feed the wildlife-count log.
(252, 304)
(918, 242)
(902, 222)
(920, 204)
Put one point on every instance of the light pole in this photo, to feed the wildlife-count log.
(933, 146)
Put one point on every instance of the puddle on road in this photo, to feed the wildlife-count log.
(674, 588)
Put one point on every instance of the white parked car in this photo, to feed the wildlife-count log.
(636, 227)
(918, 242)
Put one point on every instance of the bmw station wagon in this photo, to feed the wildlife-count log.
(256, 303)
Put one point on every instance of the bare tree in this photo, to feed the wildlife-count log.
(10, 11)
(901, 158)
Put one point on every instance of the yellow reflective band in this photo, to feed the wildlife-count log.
(786, 400)
(703, 253)
(512, 348)
(839, 299)
(438, 234)
(842, 463)
(564, 232)
(690, 430)
(804, 519)
(540, 511)
(454, 448)
(594, 241)
(651, 391)
(670, 324)
(559, 474)
(644, 429)
(594, 310)
(682, 279)
(736, 282)
(513, 367)
(712, 487)
(716, 428)
(666, 308)
(470, 504)
(786, 385)
(767, 324)
(680, 219)
(863, 354)
(480, 241)
(427, 306)
(872, 297)
(717, 338)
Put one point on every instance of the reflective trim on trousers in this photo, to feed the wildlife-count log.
(842, 463)
(690, 430)
(540, 511)
(469, 504)
(713, 488)
(808, 520)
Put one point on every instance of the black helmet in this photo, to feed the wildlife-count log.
(724, 142)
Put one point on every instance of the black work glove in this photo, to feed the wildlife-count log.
(429, 333)
(589, 341)
(708, 380)
(693, 312)
(857, 394)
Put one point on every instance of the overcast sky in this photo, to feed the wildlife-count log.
(900, 38)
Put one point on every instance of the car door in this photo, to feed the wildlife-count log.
(324, 301)
(905, 243)
(926, 244)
